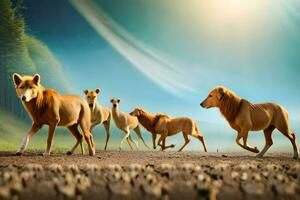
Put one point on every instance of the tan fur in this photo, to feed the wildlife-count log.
(166, 126)
(99, 114)
(48, 107)
(244, 116)
(125, 122)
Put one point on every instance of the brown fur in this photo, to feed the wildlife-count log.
(229, 106)
(48, 107)
(43, 101)
(166, 126)
(244, 116)
(148, 120)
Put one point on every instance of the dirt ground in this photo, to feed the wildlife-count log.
(149, 175)
(147, 157)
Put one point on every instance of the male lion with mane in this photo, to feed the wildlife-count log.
(244, 116)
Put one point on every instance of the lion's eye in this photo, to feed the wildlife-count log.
(31, 87)
(22, 87)
(210, 95)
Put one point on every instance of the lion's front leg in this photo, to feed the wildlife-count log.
(162, 143)
(50, 139)
(244, 134)
(34, 128)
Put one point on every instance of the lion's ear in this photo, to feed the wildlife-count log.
(112, 100)
(220, 92)
(118, 100)
(36, 79)
(97, 90)
(17, 78)
(85, 92)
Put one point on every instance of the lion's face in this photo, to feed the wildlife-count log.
(91, 97)
(27, 86)
(115, 102)
(213, 98)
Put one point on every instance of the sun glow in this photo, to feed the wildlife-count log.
(235, 8)
(232, 9)
(224, 19)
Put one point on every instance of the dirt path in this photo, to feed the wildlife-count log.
(149, 175)
(145, 157)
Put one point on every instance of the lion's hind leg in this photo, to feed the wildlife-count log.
(186, 141)
(295, 146)
(268, 137)
(74, 130)
(292, 137)
(197, 134)
(106, 125)
(85, 126)
(201, 138)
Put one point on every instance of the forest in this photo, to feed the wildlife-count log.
(24, 54)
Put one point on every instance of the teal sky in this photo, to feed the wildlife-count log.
(165, 56)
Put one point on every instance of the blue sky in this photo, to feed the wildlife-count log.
(251, 47)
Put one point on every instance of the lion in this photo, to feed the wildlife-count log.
(99, 114)
(166, 126)
(244, 116)
(48, 107)
(125, 123)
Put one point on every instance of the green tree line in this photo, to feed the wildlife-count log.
(23, 54)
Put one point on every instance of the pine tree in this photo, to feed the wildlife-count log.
(25, 55)
(14, 56)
